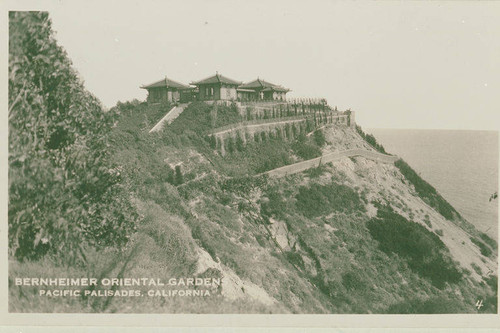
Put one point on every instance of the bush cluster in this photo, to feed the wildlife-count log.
(319, 138)
(316, 200)
(306, 150)
(425, 253)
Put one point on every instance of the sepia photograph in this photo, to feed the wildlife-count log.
(252, 158)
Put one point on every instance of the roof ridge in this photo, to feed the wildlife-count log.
(217, 78)
(165, 82)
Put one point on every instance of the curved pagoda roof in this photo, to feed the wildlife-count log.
(264, 85)
(217, 78)
(166, 82)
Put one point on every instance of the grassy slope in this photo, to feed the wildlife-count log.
(333, 264)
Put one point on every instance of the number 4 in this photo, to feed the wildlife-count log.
(479, 304)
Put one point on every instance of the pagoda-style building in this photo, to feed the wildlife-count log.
(261, 90)
(166, 90)
(216, 88)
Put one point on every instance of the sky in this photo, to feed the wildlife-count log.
(396, 64)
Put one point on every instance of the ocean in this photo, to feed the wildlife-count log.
(461, 165)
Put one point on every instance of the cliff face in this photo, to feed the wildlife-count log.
(354, 235)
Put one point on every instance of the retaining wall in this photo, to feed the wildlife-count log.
(275, 126)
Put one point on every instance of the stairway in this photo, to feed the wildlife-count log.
(169, 117)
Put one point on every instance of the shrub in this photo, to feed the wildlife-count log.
(427, 221)
(319, 138)
(295, 130)
(492, 281)
(261, 240)
(476, 268)
(227, 115)
(295, 258)
(353, 281)
(309, 125)
(196, 117)
(213, 141)
(179, 179)
(272, 161)
(198, 233)
(306, 150)
(274, 206)
(231, 145)
(316, 172)
(239, 143)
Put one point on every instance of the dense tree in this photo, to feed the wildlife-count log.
(230, 145)
(319, 138)
(213, 141)
(63, 192)
(240, 145)
(179, 179)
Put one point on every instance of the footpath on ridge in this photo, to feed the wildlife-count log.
(316, 162)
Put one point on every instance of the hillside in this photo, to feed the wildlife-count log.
(351, 236)
(358, 233)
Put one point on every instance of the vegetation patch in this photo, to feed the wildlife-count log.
(316, 172)
(319, 138)
(371, 140)
(488, 240)
(316, 200)
(295, 258)
(427, 192)
(432, 305)
(485, 249)
(353, 281)
(306, 149)
(425, 253)
(274, 206)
